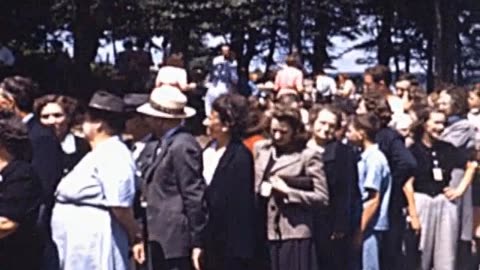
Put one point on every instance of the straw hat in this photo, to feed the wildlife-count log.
(167, 101)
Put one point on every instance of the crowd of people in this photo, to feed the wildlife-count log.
(290, 175)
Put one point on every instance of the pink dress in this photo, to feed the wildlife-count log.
(289, 78)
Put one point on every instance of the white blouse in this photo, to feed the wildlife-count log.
(211, 158)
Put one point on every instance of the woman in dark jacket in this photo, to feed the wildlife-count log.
(59, 112)
(335, 227)
(228, 171)
(20, 194)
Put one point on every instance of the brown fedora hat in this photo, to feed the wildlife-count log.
(105, 101)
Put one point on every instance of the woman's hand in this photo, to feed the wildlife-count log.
(196, 258)
(279, 185)
(452, 193)
(139, 253)
(7, 227)
(415, 224)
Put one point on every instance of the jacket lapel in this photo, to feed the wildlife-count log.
(285, 161)
(330, 151)
(164, 145)
(227, 157)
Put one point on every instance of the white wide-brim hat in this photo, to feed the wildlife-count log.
(169, 102)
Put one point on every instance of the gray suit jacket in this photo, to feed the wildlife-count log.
(175, 192)
(291, 217)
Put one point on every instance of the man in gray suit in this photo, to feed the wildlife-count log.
(173, 186)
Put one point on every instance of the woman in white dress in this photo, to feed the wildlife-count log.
(92, 220)
(173, 73)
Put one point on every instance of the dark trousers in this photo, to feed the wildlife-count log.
(336, 254)
(159, 262)
(226, 263)
(333, 254)
(465, 259)
(412, 254)
(392, 256)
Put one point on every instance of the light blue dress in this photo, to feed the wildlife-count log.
(86, 234)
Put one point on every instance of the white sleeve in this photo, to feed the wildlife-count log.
(117, 177)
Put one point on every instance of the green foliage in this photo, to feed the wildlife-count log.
(400, 29)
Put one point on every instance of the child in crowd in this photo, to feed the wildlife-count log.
(375, 185)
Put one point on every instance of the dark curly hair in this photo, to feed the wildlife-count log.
(23, 90)
(377, 104)
(14, 136)
(232, 110)
(69, 106)
(317, 108)
(380, 73)
(423, 115)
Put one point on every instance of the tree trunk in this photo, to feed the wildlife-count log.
(294, 13)
(406, 50)
(86, 35)
(238, 45)
(271, 47)
(445, 36)
(251, 48)
(459, 62)
(179, 39)
(396, 60)
(429, 54)
(320, 55)
(384, 41)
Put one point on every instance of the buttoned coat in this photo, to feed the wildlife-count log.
(231, 202)
(291, 216)
(175, 192)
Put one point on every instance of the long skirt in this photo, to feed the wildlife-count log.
(293, 254)
(439, 219)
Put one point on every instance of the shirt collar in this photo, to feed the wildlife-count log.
(27, 118)
(170, 132)
(68, 144)
(475, 111)
(313, 145)
(368, 151)
(109, 141)
(453, 119)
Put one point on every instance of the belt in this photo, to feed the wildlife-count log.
(76, 203)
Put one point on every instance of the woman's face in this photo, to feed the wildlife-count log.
(215, 127)
(473, 100)
(6, 102)
(281, 132)
(444, 103)
(53, 115)
(435, 125)
(325, 126)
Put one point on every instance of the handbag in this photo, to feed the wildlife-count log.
(304, 183)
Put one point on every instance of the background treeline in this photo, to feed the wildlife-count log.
(443, 35)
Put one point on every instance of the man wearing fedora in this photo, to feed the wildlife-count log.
(173, 187)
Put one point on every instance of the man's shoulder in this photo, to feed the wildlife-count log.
(377, 158)
(184, 139)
